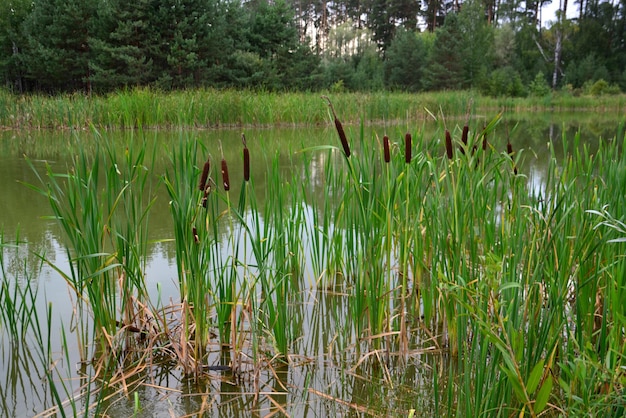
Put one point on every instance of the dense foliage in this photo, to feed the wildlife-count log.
(501, 48)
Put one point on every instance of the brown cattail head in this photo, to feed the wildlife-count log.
(342, 137)
(407, 148)
(205, 174)
(449, 145)
(246, 164)
(195, 235)
(386, 149)
(246, 159)
(225, 179)
(340, 131)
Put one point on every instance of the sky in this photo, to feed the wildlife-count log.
(548, 12)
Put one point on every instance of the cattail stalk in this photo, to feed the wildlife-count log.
(449, 145)
(386, 149)
(225, 179)
(407, 148)
(340, 131)
(205, 174)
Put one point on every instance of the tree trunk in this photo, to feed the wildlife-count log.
(559, 43)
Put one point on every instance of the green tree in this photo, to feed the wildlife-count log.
(124, 45)
(599, 37)
(192, 36)
(504, 81)
(406, 61)
(369, 74)
(57, 52)
(531, 53)
(12, 15)
(445, 66)
(273, 37)
(477, 43)
(504, 45)
(434, 13)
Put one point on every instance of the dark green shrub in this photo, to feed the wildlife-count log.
(539, 87)
(504, 81)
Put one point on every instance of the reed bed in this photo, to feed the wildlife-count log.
(435, 245)
(209, 108)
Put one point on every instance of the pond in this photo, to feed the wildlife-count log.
(332, 368)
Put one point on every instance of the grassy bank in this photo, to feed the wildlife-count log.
(214, 108)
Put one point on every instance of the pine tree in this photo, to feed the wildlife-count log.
(406, 60)
(445, 67)
(57, 53)
(124, 45)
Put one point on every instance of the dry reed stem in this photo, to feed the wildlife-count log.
(358, 408)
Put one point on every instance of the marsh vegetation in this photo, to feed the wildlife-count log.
(381, 270)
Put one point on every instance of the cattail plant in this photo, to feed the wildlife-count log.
(246, 159)
(340, 131)
(386, 149)
(407, 148)
(449, 145)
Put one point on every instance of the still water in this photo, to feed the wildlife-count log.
(319, 380)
